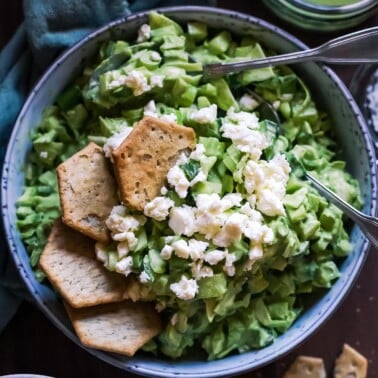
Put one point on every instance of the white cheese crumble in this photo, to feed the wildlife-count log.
(123, 225)
(215, 256)
(185, 289)
(150, 110)
(144, 33)
(248, 103)
(231, 231)
(267, 181)
(166, 252)
(101, 253)
(199, 271)
(137, 82)
(177, 179)
(123, 249)
(158, 208)
(43, 154)
(176, 176)
(242, 129)
(229, 267)
(181, 249)
(144, 277)
(182, 220)
(115, 141)
(204, 115)
(124, 266)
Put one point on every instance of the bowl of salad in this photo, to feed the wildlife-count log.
(240, 258)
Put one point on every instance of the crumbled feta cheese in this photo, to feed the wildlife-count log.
(267, 181)
(166, 252)
(144, 277)
(101, 253)
(197, 248)
(137, 82)
(269, 203)
(158, 208)
(127, 237)
(172, 118)
(241, 128)
(185, 289)
(124, 265)
(150, 109)
(215, 256)
(231, 231)
(231, 200)
(182, 220)
(204, 115)
(199, 271)
(247, 102)
(115, 141)
(43, 154)
(123, 248)
(209, 214)
(245, 119)
(255, 253)
(181, 249)
(163, 191)
(268, 236)
(144, 33)
(123, 225)
(115, 79)
(198, 153)
(176, 178)
(229, 267)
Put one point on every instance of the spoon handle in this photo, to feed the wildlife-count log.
(353, 48)
(368, 224)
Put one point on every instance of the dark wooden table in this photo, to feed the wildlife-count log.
(31, 343)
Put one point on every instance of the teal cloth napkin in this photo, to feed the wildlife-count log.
(50, 26)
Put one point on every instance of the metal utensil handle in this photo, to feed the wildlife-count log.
(220, 69)
(368, 224)
(358, 47)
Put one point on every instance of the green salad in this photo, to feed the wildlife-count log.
(236, 244)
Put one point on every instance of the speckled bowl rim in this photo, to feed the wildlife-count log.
(246, 361)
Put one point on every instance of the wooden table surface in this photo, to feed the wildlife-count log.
(31, 343)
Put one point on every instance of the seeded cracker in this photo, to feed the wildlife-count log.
(122, 327)
(88, 192)
(350, 363)
(306, 367)
(69, 262)
(144, 158)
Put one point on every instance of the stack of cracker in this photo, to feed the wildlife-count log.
(96, 299)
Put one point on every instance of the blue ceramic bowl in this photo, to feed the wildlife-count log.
(330, 94)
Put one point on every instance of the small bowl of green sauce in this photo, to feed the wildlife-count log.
(323, 15)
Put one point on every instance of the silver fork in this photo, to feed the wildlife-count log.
(353, 48)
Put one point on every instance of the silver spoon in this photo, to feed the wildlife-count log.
(367, 223)
(353, 48)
